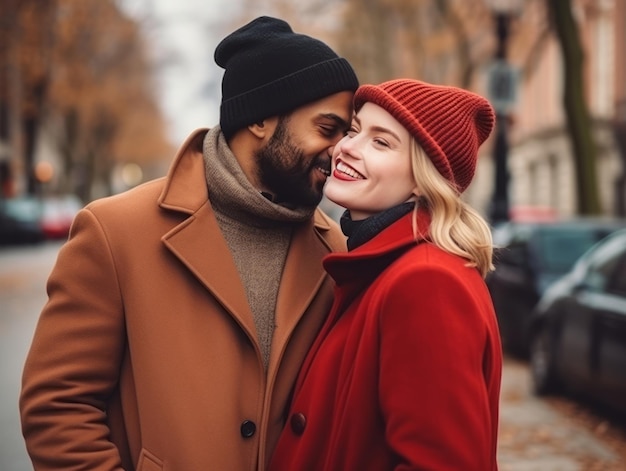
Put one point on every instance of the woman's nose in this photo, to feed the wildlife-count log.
(347, 145)
(335, 146)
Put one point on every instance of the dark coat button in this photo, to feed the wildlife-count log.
(298, 423)
(247, 428)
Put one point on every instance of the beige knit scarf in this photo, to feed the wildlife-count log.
(257, 232)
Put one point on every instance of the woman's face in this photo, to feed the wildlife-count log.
(371, 167)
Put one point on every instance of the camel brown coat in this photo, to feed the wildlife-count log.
(145, 357)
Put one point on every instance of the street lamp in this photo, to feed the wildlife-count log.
(502, 90)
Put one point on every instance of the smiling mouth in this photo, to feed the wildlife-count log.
(349, 171)
(325, 171)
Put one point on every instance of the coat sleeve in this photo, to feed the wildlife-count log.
(73, 363)
(433, 393)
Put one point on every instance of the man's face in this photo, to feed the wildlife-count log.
(296, 160)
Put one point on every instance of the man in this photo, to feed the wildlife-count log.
(179, 312)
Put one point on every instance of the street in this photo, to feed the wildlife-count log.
(23, 273)
(553, 434)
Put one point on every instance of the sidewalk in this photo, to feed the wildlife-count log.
(534, 436)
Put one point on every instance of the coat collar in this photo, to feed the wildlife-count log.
(355, 271)
(365, 262)
(185, 186)
(197, 242)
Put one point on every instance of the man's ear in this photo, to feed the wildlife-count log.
(264, 129)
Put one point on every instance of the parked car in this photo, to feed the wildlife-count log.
(529, 257)
(19, 222)
(33, 219)
(578, 331)
(57, 215)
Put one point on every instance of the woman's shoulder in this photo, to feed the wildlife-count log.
(426, 256)
(425, 264)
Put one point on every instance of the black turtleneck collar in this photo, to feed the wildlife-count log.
(359, 232)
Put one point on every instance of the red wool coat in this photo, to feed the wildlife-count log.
(405, 374)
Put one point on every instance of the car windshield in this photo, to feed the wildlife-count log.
(559, 248)
(23, 209)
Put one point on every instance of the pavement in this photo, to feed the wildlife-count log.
(537, 436)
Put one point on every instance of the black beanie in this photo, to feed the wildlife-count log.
(270, 71)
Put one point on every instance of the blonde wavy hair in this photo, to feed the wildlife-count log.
(455, 226)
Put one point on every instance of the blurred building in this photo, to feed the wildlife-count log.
(456, 42)
(542, 172)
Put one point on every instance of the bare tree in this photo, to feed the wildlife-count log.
(85, 74)
(104, 91)
(578, 118)
(27, 41)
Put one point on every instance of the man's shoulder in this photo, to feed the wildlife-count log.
(143, 195)
(185, 176)
(329, 230)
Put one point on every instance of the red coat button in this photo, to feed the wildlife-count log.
(298, 423)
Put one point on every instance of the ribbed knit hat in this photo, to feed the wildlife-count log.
(270, 70)
(449, 123)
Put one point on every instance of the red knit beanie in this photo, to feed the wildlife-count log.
(449, 123)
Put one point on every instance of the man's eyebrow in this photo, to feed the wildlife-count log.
(338, 119)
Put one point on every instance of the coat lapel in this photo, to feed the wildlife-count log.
(199, 245)
(197, 241)
(302, 277)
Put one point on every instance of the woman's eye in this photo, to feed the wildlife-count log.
(351, 132)
(381, 142)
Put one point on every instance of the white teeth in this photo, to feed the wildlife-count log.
(343, 168)
(324, 171)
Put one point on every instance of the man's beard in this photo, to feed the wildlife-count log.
(285, 171)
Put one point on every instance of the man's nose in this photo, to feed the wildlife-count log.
(331, 149)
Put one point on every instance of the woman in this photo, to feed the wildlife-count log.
(405, 374)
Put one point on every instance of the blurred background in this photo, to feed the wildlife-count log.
(97, 95)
